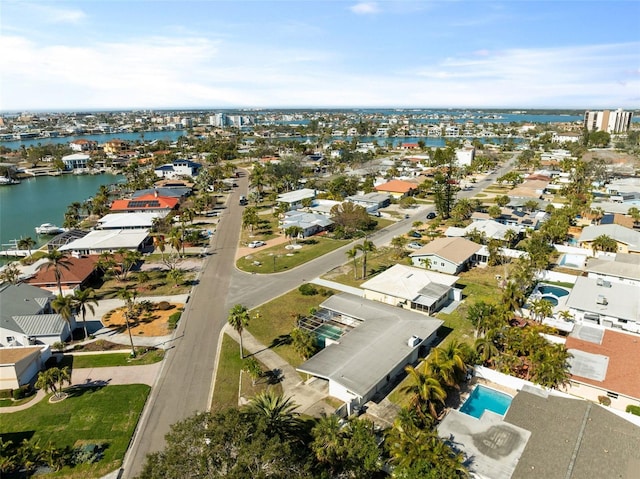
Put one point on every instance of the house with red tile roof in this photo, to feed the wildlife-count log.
(605, 363)
(397, 188)
(76, 275)
(149, 202)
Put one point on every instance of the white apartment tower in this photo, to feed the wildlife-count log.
(617, 121)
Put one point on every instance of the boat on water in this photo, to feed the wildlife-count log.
(49, 229)
(8, 181)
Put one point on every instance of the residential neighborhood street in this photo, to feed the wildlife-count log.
(185, 381)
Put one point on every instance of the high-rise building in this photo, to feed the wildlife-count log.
(617, 121)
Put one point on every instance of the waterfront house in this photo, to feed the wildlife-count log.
(151, 202)
(352, 364)
(412, 288)
(26, 317)
(75, 161)
(129, 221)
(115, 146)
(83, 145)
(78, 273)
(447, 255)
(101, 241)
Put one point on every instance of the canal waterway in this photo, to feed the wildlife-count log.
(44, 200)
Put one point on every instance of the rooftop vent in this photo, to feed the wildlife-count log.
(413, 341)
(601, 300)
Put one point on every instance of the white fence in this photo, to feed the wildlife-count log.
(554, 276)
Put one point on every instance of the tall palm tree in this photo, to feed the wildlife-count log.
(279, 413)
(426, 392)
(176, 239)
(448, 362)
(604, 243)
(63, 305)
(27, 243)
(485, 349)
(82, 300)
(352, 254)
(130, 313)
(160, 242)
(239, 319)
(57, 260)
(327, 440)
(366, 247)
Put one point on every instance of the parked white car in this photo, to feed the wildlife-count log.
(415, 245)
(256, 244)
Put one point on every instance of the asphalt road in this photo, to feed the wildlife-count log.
(185, 381)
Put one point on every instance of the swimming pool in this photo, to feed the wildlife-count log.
(572, 260)
(545, 289)
(327, 331)
(482, 399)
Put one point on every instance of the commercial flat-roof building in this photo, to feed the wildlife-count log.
(618, 121)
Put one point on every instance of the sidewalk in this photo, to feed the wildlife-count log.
(306, 397)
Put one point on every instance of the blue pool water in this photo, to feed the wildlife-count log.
(482, 399)
(327, 331)
(556, 291)
(552, 299)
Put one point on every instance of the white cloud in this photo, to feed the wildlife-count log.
(365, 8)
(56, 14)
(200, 72)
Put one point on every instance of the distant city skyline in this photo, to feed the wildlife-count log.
(99, 55)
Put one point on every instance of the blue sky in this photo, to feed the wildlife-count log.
(127, 54)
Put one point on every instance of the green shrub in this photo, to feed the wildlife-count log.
(604, 400)
(163, 306)
(22, 392)
(6, 393)
(308, 289)
(635, 410)
(173, 320)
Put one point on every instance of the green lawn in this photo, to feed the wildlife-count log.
(277, 318)
(112, 359)
(101, 415)
(277, 258)
(157, 284)
(226, 389)
(377, 261)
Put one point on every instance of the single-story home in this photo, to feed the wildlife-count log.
(310, 223)
(148, 202)
(621, 268)
(412, 288)
(78, 272)
(447, 255)
(294, 199)
(354, 364)
(129, 221)
(628, 240)
(607, 303)
(19, 365)
(100, 241)
(26, 317)
(516, 217)
(490, 229)
(372, 202)
(177, 169)
(397, 188)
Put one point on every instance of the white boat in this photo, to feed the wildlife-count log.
(49, 229)
(8, 181)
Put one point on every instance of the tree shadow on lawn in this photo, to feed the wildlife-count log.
(89, 387)
(282, 340)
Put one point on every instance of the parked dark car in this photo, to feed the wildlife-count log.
(414, 234)
(431, 215)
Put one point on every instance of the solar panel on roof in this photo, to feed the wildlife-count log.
(143, 204)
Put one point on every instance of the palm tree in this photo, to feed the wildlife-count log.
(426, 392)
(449, 362)
(57, 260)
(366, 247)
(426, 263)
(175, 239)
(634, 212)
(540, 308)
(279, 412)
(159, 242)
(130, 313)
(84, 299)
(485, 349)
(293, 232)
(328, 440)
(352, 254)
(176, 275)
(27, 243)
(239, 319)
(604, 243)
(63, 305)
(10, 273)
(53, 379)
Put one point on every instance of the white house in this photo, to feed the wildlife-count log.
(447, 255)
(26, 317)
(294, 199)
(75, 161)
(19, 365)
(372, 354)
(620, 268)
(464, 156)
(111, 240)
(177, 169)
(412, 288)
(310, 223)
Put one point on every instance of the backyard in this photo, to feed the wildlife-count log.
(106, 416)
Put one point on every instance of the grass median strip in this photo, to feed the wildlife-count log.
(112, 359)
